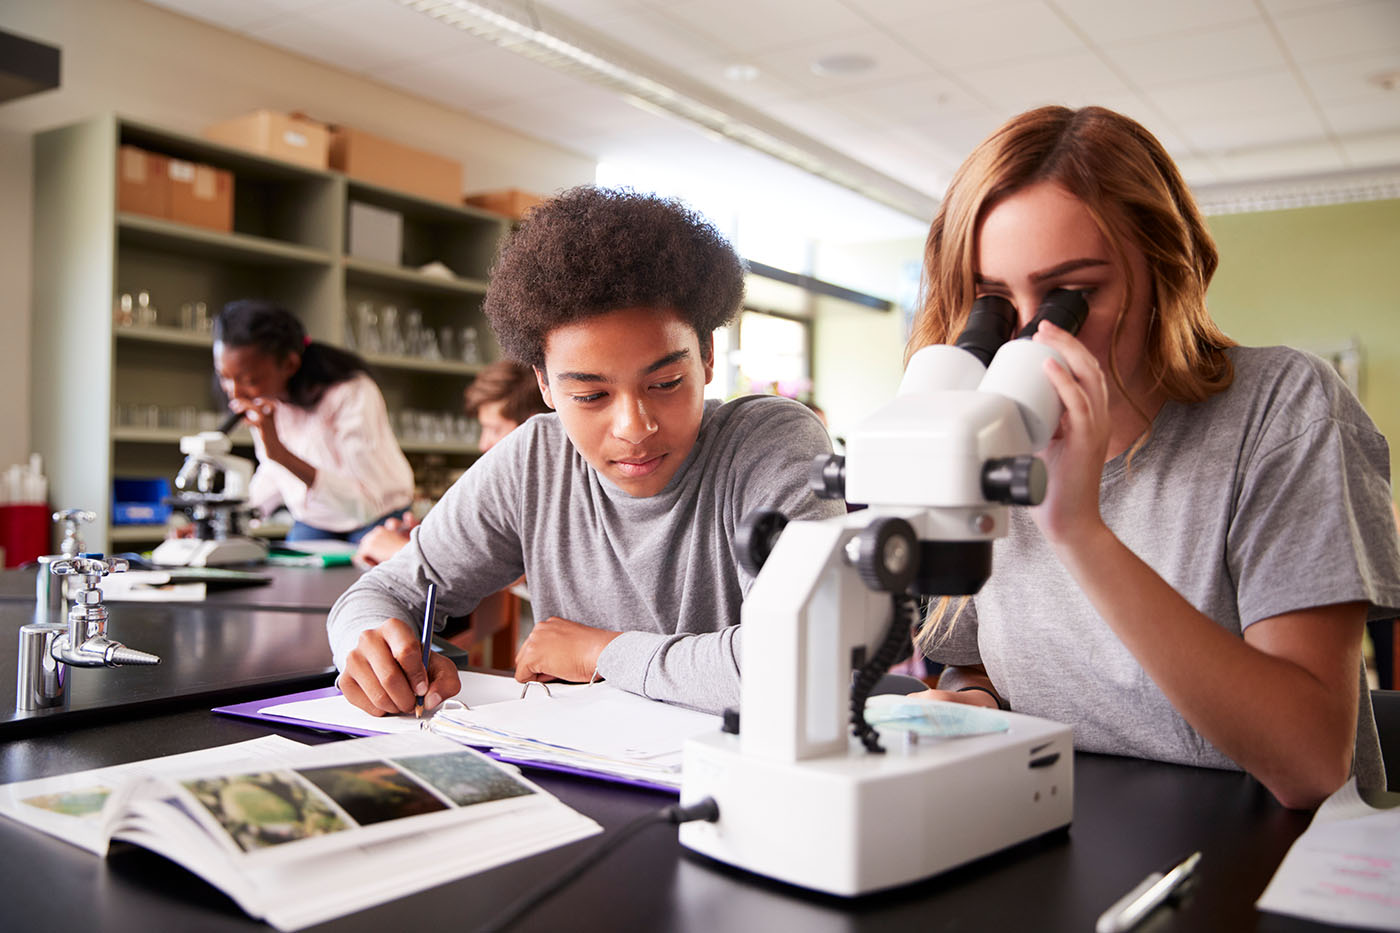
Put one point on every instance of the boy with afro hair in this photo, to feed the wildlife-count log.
(620, 506)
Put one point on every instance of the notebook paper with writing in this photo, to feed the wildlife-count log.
(595, 729)
(1345, 868)
(296, 834)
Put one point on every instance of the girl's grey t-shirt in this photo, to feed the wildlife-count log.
(1269, 497)
(663, 570)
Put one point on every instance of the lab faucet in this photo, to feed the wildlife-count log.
(48, 648)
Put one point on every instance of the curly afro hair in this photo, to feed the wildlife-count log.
(593, 250)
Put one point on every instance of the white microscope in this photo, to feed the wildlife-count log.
(802, 798)
(212, 488)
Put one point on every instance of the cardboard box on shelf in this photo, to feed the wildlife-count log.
(288, 136)
(380, 161)
(201, 195)
(510, 201)
(375, 233)
(143, 185)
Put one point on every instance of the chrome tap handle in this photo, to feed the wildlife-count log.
(91, 567)
(72, 520)
(87, 617)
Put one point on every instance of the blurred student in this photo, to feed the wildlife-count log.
(320, 429)
(500, 398)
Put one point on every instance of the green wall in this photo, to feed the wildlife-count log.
(1314, 277)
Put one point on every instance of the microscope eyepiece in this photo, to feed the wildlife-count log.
(230, 422)
(990, 323)
(1066, 308)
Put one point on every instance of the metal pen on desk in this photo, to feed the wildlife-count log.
(1129, 910)
(426, 638)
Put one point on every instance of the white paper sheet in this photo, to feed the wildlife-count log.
(1345, 869)
(477, 690)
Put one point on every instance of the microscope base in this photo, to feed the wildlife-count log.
(857, 823)
(196, 552)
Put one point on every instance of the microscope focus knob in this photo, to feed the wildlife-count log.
(1014, 480)
(827, 476)
(888, 555)
(756, 536)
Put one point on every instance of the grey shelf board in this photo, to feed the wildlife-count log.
(157, 532)
(421, 208)
(154, 231)
(137, 532)
(147, 435)
(370, 272)
(160, 334)
(134, 435)
(437, 447)
(413, 364)
(194, 148)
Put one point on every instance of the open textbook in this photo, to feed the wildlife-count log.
(297, 834)
(593, 729)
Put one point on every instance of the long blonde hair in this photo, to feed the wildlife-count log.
(1135, 195)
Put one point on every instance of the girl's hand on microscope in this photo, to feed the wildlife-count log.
(261, 415)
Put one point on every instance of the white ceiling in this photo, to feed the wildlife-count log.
(1240, 91)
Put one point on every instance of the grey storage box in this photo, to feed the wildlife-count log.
(375, 233)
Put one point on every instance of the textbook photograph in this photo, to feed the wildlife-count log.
(297, 834)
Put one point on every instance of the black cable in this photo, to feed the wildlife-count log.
(675, 814)
(905, 614)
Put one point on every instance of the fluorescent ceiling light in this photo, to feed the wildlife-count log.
(519, 31)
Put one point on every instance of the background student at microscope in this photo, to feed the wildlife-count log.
(321, 432)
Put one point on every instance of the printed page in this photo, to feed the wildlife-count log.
(70, 806)
(599, 720)
(1345, 869)
(339, 827)
(477, 690)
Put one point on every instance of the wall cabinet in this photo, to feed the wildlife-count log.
(118, 379)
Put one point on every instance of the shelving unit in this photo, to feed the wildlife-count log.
(288, 245)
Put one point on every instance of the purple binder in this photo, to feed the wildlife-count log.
(254, 710)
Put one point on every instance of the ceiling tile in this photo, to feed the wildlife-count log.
(971, 37)
(1196, 56)
(1341, 31)
(581, 111)
(1273, 91)
(1280, 162)
(913, 102)
(1076, 77)
(1363, 115)
(351, 35)
(1353, 77)
(1105, 21)
(238, 15)
(891, 62)
(764, 87)
(645, 30)
(477, 75)
(746, 27)
(1294, 6)
(895, 12)
(1250, 132)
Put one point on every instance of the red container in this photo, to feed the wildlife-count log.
(24, 532)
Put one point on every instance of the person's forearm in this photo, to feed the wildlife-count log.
(1273, 717)
(294, 464)
(700, 671)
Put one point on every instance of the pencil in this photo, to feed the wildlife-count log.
(427, 641)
